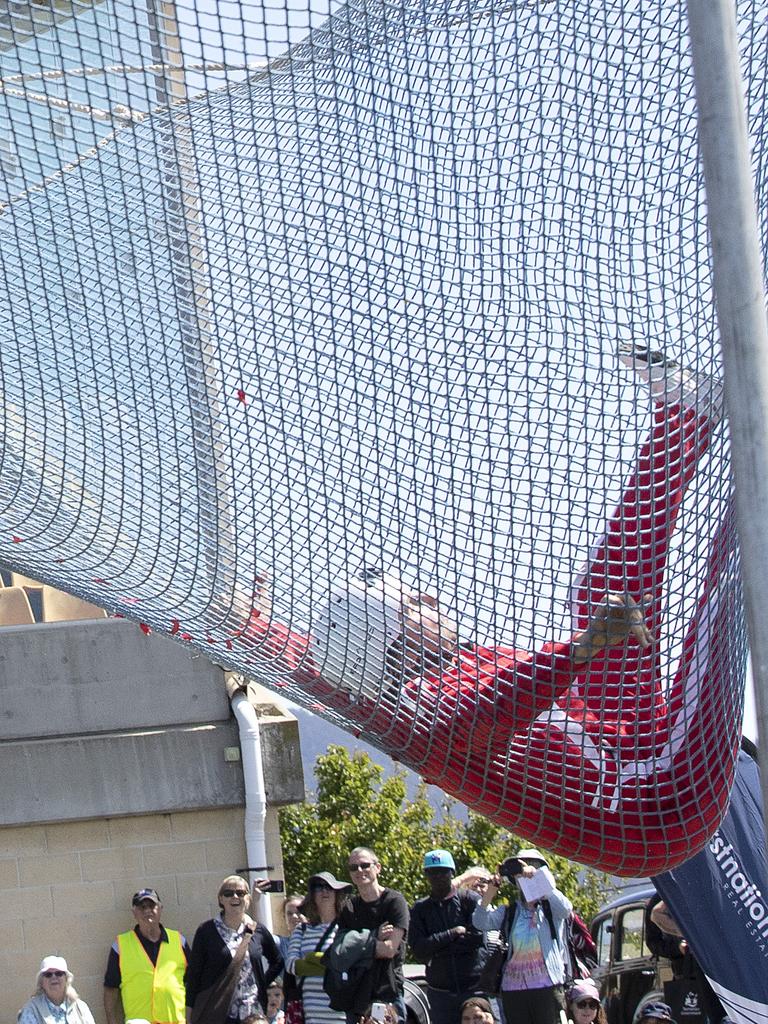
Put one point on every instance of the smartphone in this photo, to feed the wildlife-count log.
(276, 885)
(379, 1012)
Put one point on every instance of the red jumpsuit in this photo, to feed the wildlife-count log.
(592, 763)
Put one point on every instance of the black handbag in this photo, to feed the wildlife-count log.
(493, 968)
(682, 995)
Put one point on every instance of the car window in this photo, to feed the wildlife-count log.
(603, 940)
(631, 944)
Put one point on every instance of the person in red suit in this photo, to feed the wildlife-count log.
(579, 746)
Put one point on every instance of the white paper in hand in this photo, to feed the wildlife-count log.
(538, 887)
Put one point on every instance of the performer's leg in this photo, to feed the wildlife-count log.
(693, 765)
(634, 789)
(631, 556)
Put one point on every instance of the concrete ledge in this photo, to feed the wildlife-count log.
(180, 769)
(104, 675)
(281, 757)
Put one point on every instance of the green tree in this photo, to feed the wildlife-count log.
(356, 805)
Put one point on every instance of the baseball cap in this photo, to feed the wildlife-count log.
(330, 880)
(584, 988)
(145, 894)
(438, 859)
(657, 1011)
(53, 963)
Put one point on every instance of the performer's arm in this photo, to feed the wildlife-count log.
(534, 683)
(506, 691)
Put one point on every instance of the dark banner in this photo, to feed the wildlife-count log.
(720, 900)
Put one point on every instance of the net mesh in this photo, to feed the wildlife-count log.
(312, 323)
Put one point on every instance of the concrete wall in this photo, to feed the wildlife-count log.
(63, 678)
(97, 719)
(130, 773)
(66, 888)
(120, 761)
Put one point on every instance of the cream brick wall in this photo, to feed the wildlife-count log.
(67, 888)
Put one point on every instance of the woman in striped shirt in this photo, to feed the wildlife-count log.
(321, 908)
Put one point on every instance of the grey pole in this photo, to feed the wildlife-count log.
(740, 300)
(191, 283)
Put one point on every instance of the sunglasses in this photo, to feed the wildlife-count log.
(53, 974)
(229, 893)
(320, 887)
(360, 867)
(588, 1003)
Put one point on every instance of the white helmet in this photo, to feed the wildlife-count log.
(354, 630)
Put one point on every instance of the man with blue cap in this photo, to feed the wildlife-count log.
(443, 937)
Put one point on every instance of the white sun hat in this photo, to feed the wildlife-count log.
(53, 963)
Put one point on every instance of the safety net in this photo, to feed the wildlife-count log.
(366, 349)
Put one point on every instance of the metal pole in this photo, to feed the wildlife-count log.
(190, 268)
(740, 301)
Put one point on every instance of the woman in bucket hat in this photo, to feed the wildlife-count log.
(55, 1000)
(310, 941)
(531, 985)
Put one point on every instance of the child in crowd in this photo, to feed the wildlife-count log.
(275, 1011)
(476, 1011)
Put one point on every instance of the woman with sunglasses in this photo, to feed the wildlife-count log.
(55, 1000)
(226, 978)
(322, 906)
(584, 1006)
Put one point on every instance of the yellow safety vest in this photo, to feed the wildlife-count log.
(152, 992)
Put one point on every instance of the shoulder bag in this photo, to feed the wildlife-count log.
(493, 968)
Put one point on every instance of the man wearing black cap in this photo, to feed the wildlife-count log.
(146, 967)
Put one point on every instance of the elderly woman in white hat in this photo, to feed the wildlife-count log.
(55, 1000)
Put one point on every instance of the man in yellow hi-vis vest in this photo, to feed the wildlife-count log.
(146, 967)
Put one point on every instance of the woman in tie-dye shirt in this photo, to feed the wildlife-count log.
(533, 979)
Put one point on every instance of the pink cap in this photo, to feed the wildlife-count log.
(584, 988)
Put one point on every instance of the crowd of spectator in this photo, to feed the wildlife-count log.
(341, 961)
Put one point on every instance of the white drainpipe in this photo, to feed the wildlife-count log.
(255, 797)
